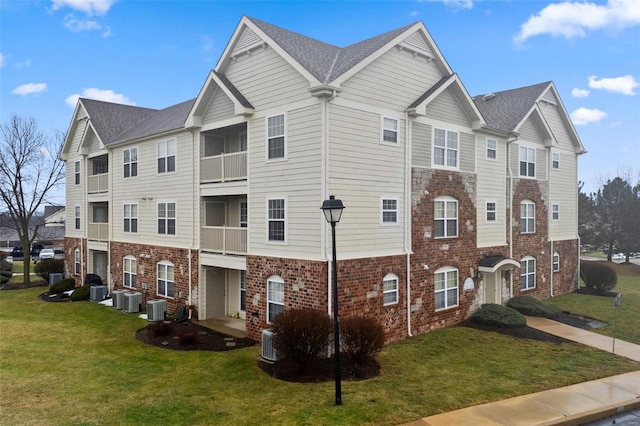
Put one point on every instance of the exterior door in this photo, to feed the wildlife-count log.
(491, 288)
(100, 265)
(215, 293)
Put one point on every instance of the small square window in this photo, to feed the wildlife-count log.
(491, 211)
(389, 211)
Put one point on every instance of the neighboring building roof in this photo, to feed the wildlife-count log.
(49, 210)
(109, 120)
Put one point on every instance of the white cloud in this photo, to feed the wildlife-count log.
(90, 7)
(78, 25)
(579, 93)
(584, 116)
(29, 88)
(459, 4)
(625, 84)
(3, 60)
(574, 19)
(99, 95)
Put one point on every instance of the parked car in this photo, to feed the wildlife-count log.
(46, 254)
(35, 250)
(17, 253)
(618, 256)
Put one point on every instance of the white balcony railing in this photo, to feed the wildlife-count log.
(224, 239)
(99, 183)
(99, 231)
(224, 167)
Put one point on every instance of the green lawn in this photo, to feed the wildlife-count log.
(80, 363)
(623, 321)
(18, 268)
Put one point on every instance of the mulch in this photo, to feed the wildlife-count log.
(187, 336)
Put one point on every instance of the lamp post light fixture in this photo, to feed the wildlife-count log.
(332, 210)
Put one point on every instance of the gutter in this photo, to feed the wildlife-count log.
(407, 215)
(510, 171)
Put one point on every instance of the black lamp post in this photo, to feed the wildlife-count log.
(332, 210)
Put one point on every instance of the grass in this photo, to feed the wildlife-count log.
(80, 363)
(18, 268)
(623, 321)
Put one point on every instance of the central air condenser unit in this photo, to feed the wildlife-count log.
(269, 353)
(132, 302)
(97, 293)
(117, 297)
(156, 310)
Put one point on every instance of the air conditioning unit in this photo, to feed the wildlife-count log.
(118, 298)
(97, 293)
(54, 278)
(269, 353)
(132, 302)
(156, 310)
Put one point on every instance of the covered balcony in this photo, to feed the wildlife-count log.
(225, 225)
(99, 175)
(98, 229)
(224, 155)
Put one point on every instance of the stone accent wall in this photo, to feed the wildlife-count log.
(70, 246)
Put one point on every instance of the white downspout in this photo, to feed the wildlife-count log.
(407, 214)
(325, 172)
(195, 206)
(511, 208)
(578, 269)
(552, 256)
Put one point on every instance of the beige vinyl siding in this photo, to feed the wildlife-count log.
(541, 161)
(529, 132)
(563, 191)
(266, 79)
(421, 145)
(92, 142)
(220, 107)
(491, 176)
(467, 152)
(558, 127)
(446, 108)
(542, 164)
(377, 84)
(297, 179)
(75, 194)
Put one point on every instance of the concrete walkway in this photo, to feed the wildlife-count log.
(571, 405)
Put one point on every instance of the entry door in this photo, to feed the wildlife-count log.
(216, 279)
(100, 264)
(491, 288)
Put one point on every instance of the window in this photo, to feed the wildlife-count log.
(527, 273)
(389, 130)
(77, 172)
(77, 217)
(166, 279)
(244, 215)
(167, 218)
(130, 218)
(276, 219)
(275, 297)
(130, 162)
(275, 137)
(527, 217)
(76, 261)
(446, 217)
(446, 288)
(390, 289)
(556, 261)
(100, 166)
(555, 211)
(555, 160)
(527, 162)
(491, 211)
(243, 291)
(445, 148)
(129, 268)
(492, 149)
(167, 156)
(389, 211)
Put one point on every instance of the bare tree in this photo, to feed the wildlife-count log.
(29, 169)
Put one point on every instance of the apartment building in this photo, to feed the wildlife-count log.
(214, 203)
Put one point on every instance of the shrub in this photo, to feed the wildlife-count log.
(81, 293)
(62, 286)
(499, 315)
(361, 338)
(529, 306)
(49, 266)
(5, 266)
(6, 274)
(92, 279)
(3, 279)
(598, 275)
(301, 334)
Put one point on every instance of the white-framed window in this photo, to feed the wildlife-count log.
(445, 214)
(166, 279)
(388, 211)
(390, 289)
(445, 148)
(276, 219)
(527, 217)
(244, 214)
(446, 288)
(167, 218)
(129, 268)
(243, 141)
(527, 161)
(77, 217)
(276, 137)
(492, 149)
(527, 273)
(77, 172)
(555, 211)
(130, 162)
(556, 261)
(243, 291)
(491, 210)
(76, 261)
(389, 130)
(130, 215)
(555, 160)
(167, 156)
(275, 297)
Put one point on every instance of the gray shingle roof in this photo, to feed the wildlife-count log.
(233, 89)
(431, 90)
(110, 120)
(506, 109)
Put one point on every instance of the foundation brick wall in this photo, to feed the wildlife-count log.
(70, 246)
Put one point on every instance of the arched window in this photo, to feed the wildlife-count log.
(166, 279)
(527, 217)
(275, 297)
(445, 214)
(390, 289)
(527, 273)
(129, 268)
(446, 288)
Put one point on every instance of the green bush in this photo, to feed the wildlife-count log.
(6, 274)
(3, 280)
(62, 286)
(598, 275)
(361, 339)
(81, 293)
(499, 315)
(300, 335)
(529, 306)
(5, 266)
(49, 266)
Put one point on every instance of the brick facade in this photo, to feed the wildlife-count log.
(70, 246)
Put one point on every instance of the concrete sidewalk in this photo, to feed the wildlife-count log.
(571, 405)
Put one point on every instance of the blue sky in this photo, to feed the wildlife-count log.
(158, 53)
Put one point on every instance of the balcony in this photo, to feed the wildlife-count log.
(99, 231)
(99, 184)
(224, 239)
(224, 167)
